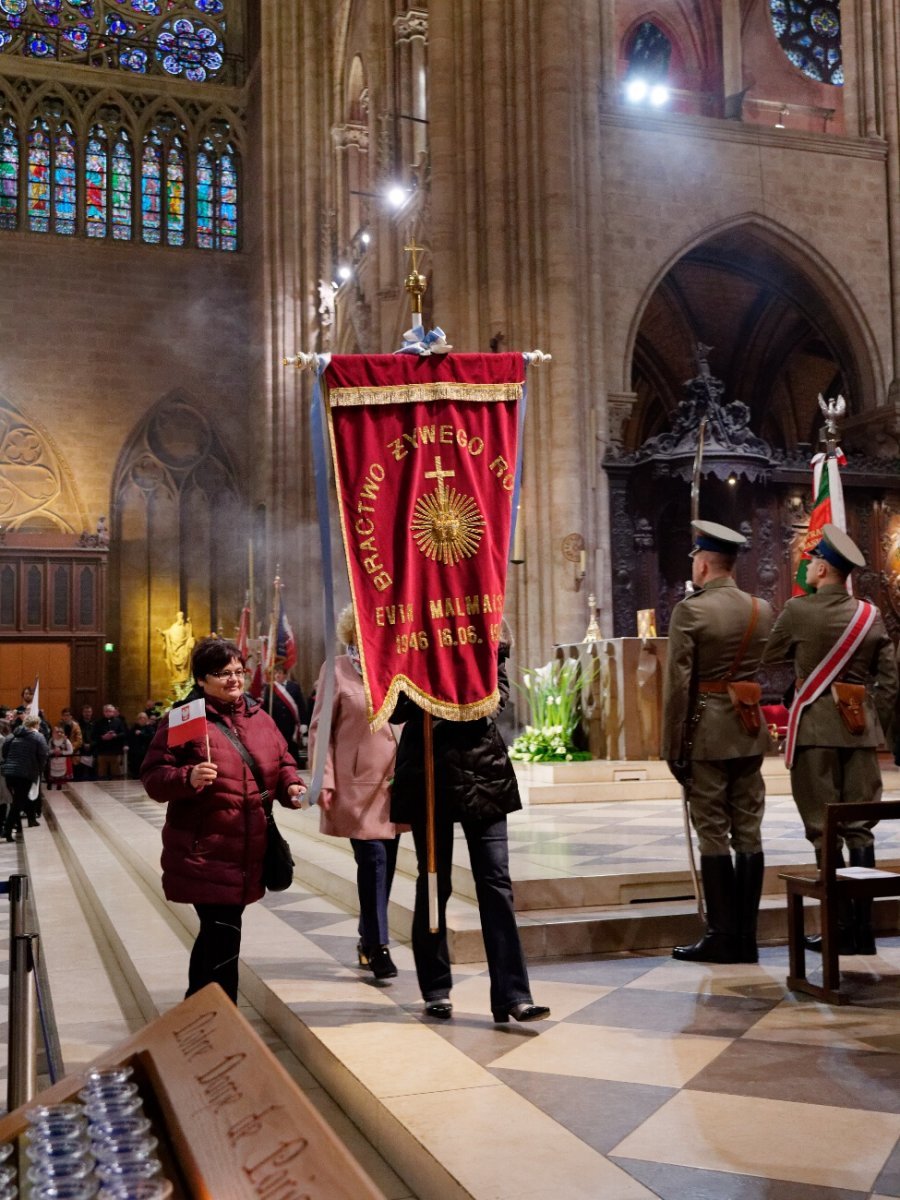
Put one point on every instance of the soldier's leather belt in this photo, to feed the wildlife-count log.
(710, 687)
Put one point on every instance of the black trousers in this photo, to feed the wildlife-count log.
(375, 863)
(489, 856)
(18, 789)
(214, 958)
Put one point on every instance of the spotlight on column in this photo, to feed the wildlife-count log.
(659, 95)
(396, 195)
(636, 91)
(365, 238)
(344, 273)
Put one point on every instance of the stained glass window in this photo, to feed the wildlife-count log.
(175, 195)
(96, 184)
(217, 187)
(121, 188)
(176, 37)
(64, 181)
(809, 32)
(151, 181)
(39, 176)
(649, 53)
(9, 174)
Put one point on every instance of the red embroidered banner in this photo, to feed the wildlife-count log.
(425, 456)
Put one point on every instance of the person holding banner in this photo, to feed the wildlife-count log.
(475, 784)
(355, 799)
(846, 685)
(214, 837)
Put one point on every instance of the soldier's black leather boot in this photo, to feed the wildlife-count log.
(846, 933)
(863, 856)
(719, 943)
(748, 875)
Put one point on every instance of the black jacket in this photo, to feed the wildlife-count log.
(24, 754)
(473, 775)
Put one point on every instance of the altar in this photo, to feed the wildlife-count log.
(621, 694)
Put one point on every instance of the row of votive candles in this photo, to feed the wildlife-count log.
(100, 1147)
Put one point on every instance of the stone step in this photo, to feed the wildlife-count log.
(345, 1028)
(604, 782)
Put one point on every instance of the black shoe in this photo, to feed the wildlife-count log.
(524, 1011)
(32, 824)
(441, 1010)
(362, 954)
(846, 942)
(748, 877)
(712, 948)
(381, 963)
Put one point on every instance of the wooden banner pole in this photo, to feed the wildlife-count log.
(430, 853)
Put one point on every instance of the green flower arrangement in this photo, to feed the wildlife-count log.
(554, 701)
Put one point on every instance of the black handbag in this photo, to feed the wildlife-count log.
(278, 863)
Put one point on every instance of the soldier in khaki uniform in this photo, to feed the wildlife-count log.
(831, 763)
(716, 639)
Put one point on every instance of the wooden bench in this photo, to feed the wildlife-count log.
(832, 886)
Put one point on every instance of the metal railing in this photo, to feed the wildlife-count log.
(29, 1000)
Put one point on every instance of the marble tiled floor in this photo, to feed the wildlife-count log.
(696, 1081)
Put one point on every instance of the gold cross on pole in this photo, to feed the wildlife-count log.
(413, 249)
(440, 476)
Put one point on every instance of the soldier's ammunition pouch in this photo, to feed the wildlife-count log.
(850, 699)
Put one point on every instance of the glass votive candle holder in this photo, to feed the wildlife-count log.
(66, 1189)
(42, 1113)
(127, 1150)
(7, 1149)
(8, 1174)
(110, 1087)
(100, 1108)
(58, 1150)
(48, 1172)
(117, 1128)
(103, 1075)
(131, 1170)
(138, 1189)
(10, 1192)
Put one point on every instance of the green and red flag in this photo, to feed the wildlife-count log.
(828, 509)
(425, 452)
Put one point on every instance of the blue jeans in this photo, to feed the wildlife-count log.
(489, 857)
(375, 862)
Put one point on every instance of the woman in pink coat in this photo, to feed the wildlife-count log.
(355, 799)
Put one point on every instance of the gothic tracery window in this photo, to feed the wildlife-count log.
(9, 174)
(216, 191)
(174, 37)
(809, 32)
(649, 53)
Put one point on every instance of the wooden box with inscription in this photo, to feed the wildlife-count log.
(231, 1123)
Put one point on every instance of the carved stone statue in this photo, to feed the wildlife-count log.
(178, 642)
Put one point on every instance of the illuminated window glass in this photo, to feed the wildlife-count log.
(121, 188)
(649, 53)
(39, 176)
(96, 183)
(151, 188)
(64, 181)
(217, 197)
(9, 174)
(809, 32)
(175, 195)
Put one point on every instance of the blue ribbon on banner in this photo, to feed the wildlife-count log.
(320, 473)
(517, 487)
(417, 341)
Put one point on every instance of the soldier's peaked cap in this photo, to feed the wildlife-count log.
(709, 535)
(839, 550)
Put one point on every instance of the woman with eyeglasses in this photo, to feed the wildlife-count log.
(214, 838)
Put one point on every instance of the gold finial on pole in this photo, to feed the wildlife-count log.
(415, 284)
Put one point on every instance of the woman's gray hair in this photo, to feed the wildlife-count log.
(346, 627)
(31, 722)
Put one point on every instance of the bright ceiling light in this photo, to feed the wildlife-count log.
(397, 195)
(344, 273)
(659, 95)
(365, 238)
(636, 90)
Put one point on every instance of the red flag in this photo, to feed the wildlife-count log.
(187, 723)
(285, 645)
(425, 455)
(828, 509)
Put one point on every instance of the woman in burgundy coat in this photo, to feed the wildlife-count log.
(214, 838)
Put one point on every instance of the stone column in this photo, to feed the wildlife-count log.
(516, 240)
(890, 65)
(293, 125)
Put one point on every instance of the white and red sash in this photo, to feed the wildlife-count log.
(827, 671)
(285, 695)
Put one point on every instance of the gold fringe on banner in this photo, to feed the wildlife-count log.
(437, 708)
(486, 393)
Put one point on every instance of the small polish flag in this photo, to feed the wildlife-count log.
(187, 723)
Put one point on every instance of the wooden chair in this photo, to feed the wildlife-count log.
(832, 886)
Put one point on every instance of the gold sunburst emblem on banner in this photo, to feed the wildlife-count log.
(446, 526)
